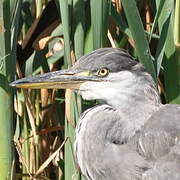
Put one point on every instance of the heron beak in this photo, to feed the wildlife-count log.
(64, 79)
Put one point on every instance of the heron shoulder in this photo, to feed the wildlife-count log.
(160, 134)
(99, 132)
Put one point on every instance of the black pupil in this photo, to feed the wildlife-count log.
(102, 71)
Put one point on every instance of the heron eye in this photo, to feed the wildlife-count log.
(103, 72)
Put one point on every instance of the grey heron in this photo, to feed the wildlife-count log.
(131, 135)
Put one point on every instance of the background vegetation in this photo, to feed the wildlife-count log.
(38, 36)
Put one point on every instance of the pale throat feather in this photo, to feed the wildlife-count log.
(135, 97)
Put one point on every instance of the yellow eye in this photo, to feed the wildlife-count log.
(103, 72)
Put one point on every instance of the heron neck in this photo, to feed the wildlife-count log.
(135, 104)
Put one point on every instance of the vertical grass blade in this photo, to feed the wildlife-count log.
(99, 19)
(70, 170)
(6, 74)
(64, 11)
(79, 32)
(120, 22)
(78, 27)
(15, 17)
(177, 24)
(171, 69)
(88, 43)
(159, 10)
(162, 44)
(39, 8)
(171, 58)
(138, 34)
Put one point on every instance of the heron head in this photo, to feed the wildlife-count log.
(101, 75)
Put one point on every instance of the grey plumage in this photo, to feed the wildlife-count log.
(124, 152)
(131, 135)
(115, 59)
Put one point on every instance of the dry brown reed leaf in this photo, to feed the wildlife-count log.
(27, 103)
(68, 97)
(44, 97)
(73, 57)
(118, 5)
(2, 29)
(24, 175)
(46, 163)
(148, 18)
(46, 131)
(18, 106)
(161, 88)
(30, 112)
(22, 159)
(44, 35)
(131, 42)
(42, 43)
(32, 157)
(111, 39)
(18, 70)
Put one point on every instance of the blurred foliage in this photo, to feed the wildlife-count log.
(52, 35)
